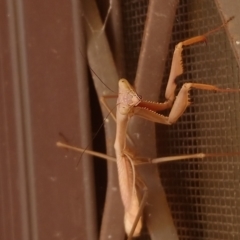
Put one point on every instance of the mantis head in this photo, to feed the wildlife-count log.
(127, 98)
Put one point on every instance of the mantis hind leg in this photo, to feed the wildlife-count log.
(143, 201)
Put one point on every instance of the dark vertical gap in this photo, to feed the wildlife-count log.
(98, 144)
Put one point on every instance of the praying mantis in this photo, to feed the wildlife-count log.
(129, 104)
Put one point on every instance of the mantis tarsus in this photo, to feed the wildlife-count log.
(129, 104)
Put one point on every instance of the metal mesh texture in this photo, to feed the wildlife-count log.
(134, 16)
(204, 195)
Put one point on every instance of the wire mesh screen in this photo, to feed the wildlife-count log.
(134, 16)
(204, 195)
